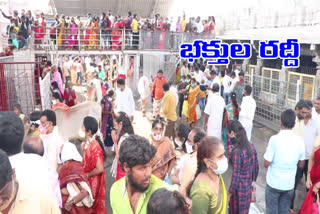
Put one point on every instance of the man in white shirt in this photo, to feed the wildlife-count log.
(199, 74)
(237, 71)
(96, 82)
(124, 99)
(30, 169)
(308, 128)
(316, 109)
(282, 168)
(247, 110)
(111, 18)
(199, 25)
(214, 113)
(227, 85)
(52, 143)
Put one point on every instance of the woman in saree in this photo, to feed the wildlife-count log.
(313, 179)
(208, 192)
(87, 35)
(74, 33)
(122, 129)
(93, 38)
(165, 157)
(231, 112)
(61, 35)
(107, 118)
(93, 164)
(116, 35)
(76, 193)
(193, 91)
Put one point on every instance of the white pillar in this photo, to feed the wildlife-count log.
(136, 73)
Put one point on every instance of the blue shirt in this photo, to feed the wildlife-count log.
(284, 151)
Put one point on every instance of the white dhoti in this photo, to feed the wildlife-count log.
(214, 132)
(247, 125)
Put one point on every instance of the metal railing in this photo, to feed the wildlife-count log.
(256, 20)
(273, 97)
(19, 83)
(113, 39)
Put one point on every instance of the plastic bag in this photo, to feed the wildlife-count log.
(254, 209)
(185, 107)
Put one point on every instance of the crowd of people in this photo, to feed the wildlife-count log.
(103, 32)
(201, 126)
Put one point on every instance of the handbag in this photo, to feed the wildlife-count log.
(185, 108)
(198, 111)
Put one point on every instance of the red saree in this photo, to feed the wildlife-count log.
(96, 183)
(306, 207)
(72, 171)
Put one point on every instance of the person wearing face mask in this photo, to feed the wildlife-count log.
(245, 169)
(188, 170)
(165, 157)
(182, 133)
(57, 102)
(52, 143)
(208, 192)
(31, 170)
(308, 128)
(121, 131)
(107, 118)
(17, 197)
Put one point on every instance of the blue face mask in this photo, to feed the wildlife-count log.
(193, 84)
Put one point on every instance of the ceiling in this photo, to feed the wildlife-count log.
(144, 8)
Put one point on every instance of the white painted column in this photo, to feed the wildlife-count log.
(136, 73)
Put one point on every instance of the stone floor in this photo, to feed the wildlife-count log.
(260, 138)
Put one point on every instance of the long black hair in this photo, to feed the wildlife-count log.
(242, 142)
(233, 97)
(91, 124)
(183, 132)
(207, 148)
(123, 118)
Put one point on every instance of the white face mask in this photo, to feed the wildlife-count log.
(157, 137)
(82, 134)
(189, 148)
(178, 142)
(110, 99)
(54, 102)
(222, 166)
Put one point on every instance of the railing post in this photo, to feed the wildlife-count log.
(100, 45)
(79, 39)
(123, 44)
(298, 91)
(56, 39)
(140, 40)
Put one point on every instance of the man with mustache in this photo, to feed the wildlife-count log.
(131, 194)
